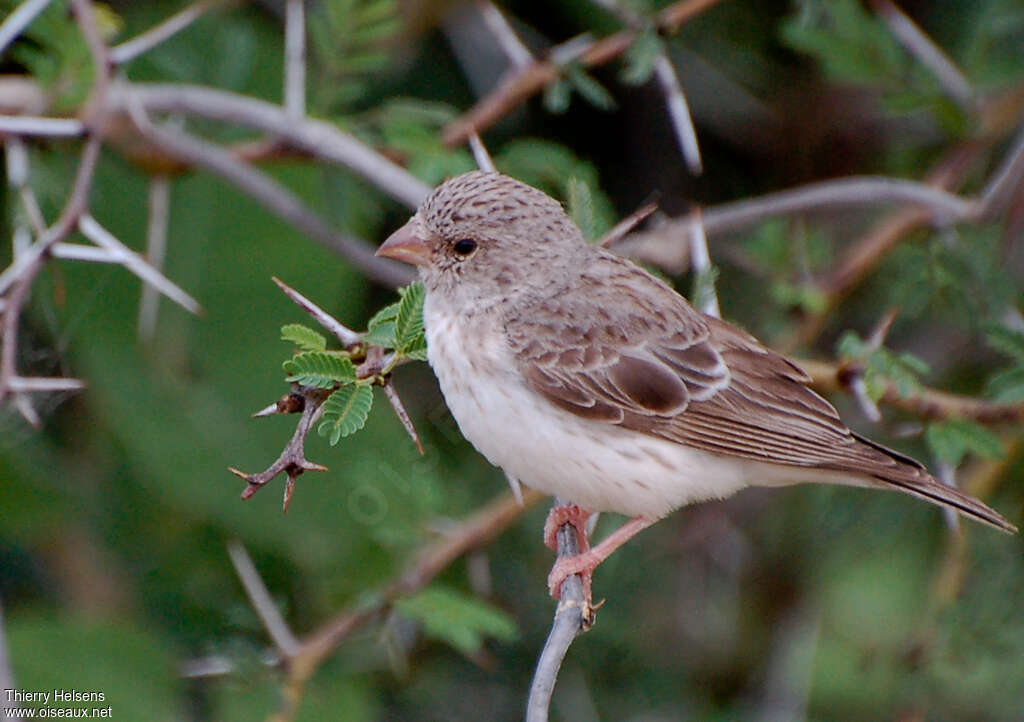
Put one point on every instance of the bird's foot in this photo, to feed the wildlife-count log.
(587, 560)
(570, 514)
(583, 564)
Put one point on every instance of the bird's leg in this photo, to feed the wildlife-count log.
(571, 514)
(586, 561)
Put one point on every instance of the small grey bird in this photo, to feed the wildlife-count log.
(585, 377)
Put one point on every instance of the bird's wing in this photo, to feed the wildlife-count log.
(625, 349)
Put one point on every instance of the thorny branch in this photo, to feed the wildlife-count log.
(522, 83)
(372, 362)
(300, 662)
(572, 617)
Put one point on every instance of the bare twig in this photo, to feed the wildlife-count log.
(95, 112)
(275, 197)
(480, 154)
(953, 82)
(349, 338)
(700, 259)
(21, 273)
(319, 138)
(928, 403)
(30, 125)
(292, 460)
(31, 384)
(259, 596)
(678, 112)
(617, 232)
(295, 58)
(6, 674)
(396, 403)
(571, 618)
(863, 255)
(132, 261)
(146, 41)
(517, 54)
(18, 20)
(522, 84)
(156, 247)
(472, 533)
(1004, 181)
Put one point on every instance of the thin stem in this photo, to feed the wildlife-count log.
(568, 623)
(953, 82)
(146, 41)
(319, 138)
(480, 154)
(295, 58)
(20, 19)
(53, 127)
(156, 249)
(259, 596)
(347, 336)
(520, 85)
(678, 112)
(6, 674)
(274, 196)
(841, 192)
(132, 261)
(517, 53)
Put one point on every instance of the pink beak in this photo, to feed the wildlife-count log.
(404, 245)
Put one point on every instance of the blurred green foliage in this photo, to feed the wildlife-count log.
(813, 603)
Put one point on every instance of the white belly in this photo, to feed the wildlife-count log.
(599, 466)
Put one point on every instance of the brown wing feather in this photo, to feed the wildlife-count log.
(646, 360)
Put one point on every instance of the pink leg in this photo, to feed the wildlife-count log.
(570, 514)
(586, 562)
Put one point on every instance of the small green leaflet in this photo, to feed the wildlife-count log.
(400, 325)
(457, 619)
(1007, 340)
(641, 55)
(320, 369)
(409, 321)
(304, 337)
(952, 439)
(345, 411)
(1007, 386)
(882, 366)
(588, 87)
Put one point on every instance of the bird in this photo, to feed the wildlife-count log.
(585, 377)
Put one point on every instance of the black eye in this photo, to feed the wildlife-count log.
(464, 247)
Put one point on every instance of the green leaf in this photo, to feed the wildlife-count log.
(588, 87)
(640, 57)
(556, 96)
(382, 335)
(952, 439)
(581, 207)
(346, 411)
(304, 337)
(1007, 340)
(320, 369)
(409, 320)
(882, 366)
(381, 328)
(459, 620)
(1007, 386)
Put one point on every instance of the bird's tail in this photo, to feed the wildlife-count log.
(911, 477)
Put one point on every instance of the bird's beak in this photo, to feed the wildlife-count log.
(407, 245)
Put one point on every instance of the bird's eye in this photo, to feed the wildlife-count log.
(464, 247)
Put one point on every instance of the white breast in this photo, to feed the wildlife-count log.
(596, 465)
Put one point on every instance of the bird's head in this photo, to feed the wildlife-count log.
(486, 233)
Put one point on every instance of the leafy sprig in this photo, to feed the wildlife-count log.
(396, 332)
